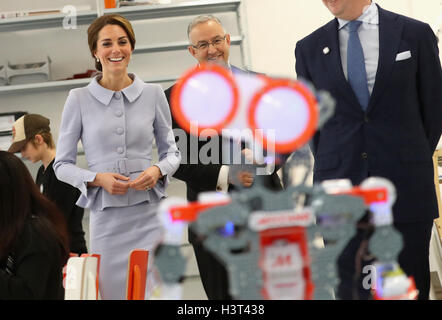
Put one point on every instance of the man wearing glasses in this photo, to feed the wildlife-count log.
(209, 43)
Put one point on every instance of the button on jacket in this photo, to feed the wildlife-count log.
(117, 130)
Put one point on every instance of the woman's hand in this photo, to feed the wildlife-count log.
(113, 183)
(147, 179)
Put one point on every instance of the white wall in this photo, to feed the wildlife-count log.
(274, 27)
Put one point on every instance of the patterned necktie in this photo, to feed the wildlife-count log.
(357, 75)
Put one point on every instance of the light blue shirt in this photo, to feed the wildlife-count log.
(117, 130)
(369, 36)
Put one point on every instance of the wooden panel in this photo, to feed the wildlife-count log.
(438, 221)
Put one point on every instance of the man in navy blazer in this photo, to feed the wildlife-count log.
(391, 133)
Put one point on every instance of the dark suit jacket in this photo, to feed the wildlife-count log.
(204, 177)
(397, 135)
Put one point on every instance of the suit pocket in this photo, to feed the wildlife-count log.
(403, 55)
(326, 162)
(415, 155)
(405, 65)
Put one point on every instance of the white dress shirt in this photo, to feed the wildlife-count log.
(369, 36)
(223, 176)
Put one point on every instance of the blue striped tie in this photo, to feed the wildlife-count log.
(357, 75)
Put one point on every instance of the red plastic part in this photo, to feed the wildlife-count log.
(190, 212)
(311, 126)
(176, 105)
(137, 274)
(411, 294)
(291, 235)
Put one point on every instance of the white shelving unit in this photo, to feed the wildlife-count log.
(141, 12)
(157, 59)
(177, 9)
(43, 21)
(179, 45)
(144, 12)
(63, 85)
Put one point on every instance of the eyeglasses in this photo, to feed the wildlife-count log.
(205, 45)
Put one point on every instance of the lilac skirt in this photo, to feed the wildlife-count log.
(114, 232)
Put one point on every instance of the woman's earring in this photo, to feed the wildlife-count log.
(98, 60)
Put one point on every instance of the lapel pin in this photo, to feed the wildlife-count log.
(326, 50)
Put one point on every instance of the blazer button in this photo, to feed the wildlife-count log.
(120, 131)
(364, 155)
(118, 113)
(117, 95)
(120, 150)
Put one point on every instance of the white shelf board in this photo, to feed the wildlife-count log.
(63, 85)
(55, 20)
(173, 10)
(44, 21)
(179, 45)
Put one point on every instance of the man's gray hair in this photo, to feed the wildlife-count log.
(201, 19)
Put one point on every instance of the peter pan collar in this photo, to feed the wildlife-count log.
(131, 92)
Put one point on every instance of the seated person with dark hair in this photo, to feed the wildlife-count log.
(33, 237)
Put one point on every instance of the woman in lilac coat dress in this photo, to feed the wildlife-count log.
(116, 117)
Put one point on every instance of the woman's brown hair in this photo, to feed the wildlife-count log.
(100, 23)
(20, 199)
